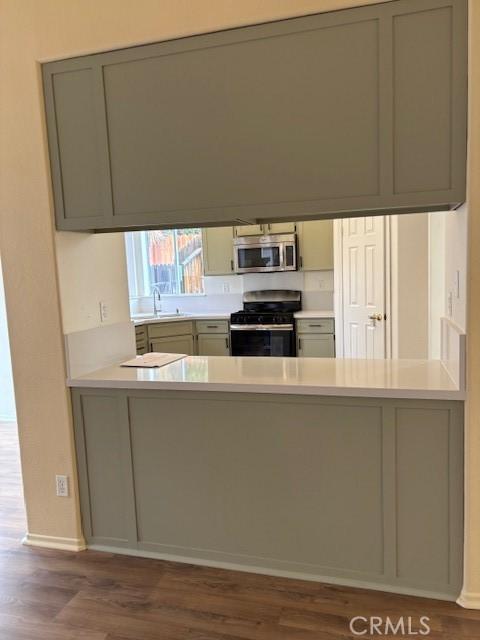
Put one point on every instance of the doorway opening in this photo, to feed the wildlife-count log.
(12, 508)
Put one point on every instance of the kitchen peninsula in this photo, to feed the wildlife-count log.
(271, 464)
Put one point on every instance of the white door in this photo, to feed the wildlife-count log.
(363, 258)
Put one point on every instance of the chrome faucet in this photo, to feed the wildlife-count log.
(157, 300)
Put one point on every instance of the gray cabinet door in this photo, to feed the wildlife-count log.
(173, 344)
(316, 245)
(217, 251)
(347, 112)
(249, 230)
(78, 144)
(316, 345)
(213, 344)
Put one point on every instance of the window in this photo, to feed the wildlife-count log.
(171, 259)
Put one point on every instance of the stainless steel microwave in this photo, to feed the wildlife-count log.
(258, 254)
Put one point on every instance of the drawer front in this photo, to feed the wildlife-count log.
(316, 325)
(141, 333)
(212, 326)
(163, 329)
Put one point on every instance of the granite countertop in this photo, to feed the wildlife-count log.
(424, 379)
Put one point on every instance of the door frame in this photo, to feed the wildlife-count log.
(338, 296)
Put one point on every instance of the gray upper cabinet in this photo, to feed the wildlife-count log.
(341, 113)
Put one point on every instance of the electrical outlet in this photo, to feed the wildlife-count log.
(62, 486)
(226, 287)
(103, 311)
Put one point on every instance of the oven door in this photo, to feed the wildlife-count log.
(263, 340)
(259, 257)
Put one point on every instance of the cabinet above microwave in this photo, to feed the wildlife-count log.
(350, 112)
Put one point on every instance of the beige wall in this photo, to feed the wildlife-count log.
(471, 591)
(91, 269)
(33, 31)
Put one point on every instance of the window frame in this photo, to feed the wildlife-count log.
(138, 268)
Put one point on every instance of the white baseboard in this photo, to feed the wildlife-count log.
(469, 600)
(52, 542)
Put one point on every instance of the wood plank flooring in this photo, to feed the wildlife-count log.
(51, 595)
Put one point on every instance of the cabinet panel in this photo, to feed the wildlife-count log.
(76, 132)
(217, 250)
(315, 346)
(355, 111)
(280, 227)
(422, 135)
(316, 245)
(103, 447)
(173, 344)
(249, 230)
(213, 344)
(154, 103)
(164, 472)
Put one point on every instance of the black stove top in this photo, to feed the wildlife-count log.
(265, 317)
(268, 307)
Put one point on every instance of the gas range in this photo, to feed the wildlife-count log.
(265, 326)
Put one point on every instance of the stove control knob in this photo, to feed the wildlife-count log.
(260, 319)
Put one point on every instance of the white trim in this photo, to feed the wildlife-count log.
(278, 573)
(53, 542)
(338, 288)
(469, 600)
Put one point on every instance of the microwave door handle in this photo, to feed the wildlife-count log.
(281, 255)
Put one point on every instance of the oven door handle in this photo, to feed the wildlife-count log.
(261, 327)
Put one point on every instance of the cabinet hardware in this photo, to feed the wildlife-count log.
(299, 344)
(212, 326)
(226, 343)
(231, 265)
(300, 262)
(315, 325)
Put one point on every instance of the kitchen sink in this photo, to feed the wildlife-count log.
(162, 314)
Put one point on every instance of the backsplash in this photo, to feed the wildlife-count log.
(223, 294)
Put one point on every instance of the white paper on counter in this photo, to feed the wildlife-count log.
(153, 360)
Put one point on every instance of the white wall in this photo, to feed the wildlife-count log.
(448, 272)
(410, 308)
(7, 398)
(456, 240)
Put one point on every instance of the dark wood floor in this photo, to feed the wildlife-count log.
(50, 595)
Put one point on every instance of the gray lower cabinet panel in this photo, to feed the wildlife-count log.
(359, 491)
(348, 112)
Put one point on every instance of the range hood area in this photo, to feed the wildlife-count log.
(354, 112)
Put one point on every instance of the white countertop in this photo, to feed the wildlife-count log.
(139, 320)
(424, 379)
(311, 315)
